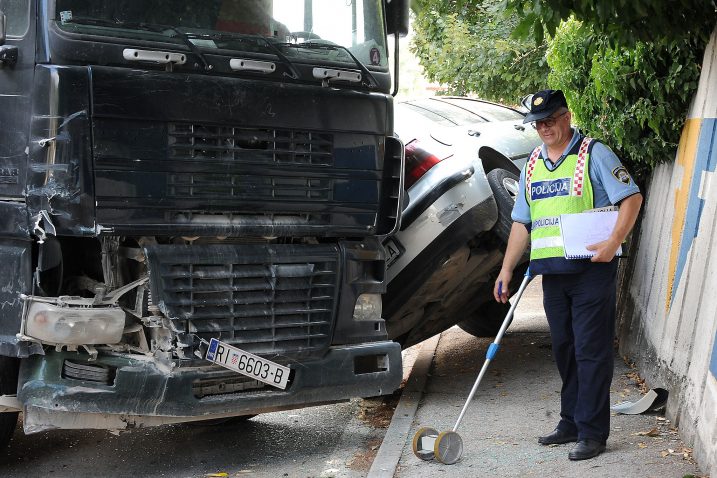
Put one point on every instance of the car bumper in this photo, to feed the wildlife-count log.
(469, 204)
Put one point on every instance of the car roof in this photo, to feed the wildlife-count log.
(459, 110)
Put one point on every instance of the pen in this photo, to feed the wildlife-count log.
(500, 288)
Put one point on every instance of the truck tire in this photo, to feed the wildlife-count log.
(487, 320)
(504, 186)
(9, 368)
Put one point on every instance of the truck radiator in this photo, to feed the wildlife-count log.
(271, 300)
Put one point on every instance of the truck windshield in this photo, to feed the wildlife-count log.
(254, 26)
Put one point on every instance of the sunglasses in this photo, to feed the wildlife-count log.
(548, 122)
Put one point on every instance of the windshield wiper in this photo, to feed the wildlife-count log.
(372, 83)
(294, 73)
(148, 27)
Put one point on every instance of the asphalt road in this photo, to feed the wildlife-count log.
(330, 440)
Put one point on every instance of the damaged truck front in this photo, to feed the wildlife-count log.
(192, 201)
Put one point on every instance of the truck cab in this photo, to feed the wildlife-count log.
(177, 175)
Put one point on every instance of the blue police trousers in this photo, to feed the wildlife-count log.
(581, 314)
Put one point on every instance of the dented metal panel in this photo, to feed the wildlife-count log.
(276, 299)
(59, 177)
(140, 387)
(16, 277)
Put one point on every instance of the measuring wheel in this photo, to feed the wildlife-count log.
(448, 447)
(423, 442)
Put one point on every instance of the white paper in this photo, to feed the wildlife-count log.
(584, 229)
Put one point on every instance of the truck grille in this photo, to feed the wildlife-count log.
(216, 186)
(180, 178)
(207, 142)
(267, 300)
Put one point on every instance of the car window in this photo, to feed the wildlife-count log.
(17, 16)
(426, 113)
(488, 111)
(455, 114)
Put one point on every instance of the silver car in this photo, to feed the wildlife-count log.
(463, 159)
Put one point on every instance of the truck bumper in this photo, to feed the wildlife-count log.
(140, 388)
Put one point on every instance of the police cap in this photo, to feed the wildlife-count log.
(545, 103)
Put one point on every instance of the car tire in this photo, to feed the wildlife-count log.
(504, 186)
(489, 317)
(9, 368)
(487, 320)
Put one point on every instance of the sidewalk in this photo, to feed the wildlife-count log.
(518, 400)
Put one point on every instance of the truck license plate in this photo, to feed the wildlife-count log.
(248, 364)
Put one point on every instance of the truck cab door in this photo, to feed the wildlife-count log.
(17, 62)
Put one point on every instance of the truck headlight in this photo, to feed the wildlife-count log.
(74, 325)
(368, 307)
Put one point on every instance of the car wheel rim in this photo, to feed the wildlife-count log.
(511, 185)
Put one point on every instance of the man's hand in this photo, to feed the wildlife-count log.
(604, 251)
(500, 289)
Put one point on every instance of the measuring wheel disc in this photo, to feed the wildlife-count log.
(423, 443)
(448, 447)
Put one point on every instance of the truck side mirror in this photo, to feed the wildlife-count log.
(3, 24)
(397, 18)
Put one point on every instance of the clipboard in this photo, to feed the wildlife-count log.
(585, 228)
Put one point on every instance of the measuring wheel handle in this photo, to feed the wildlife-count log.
(448, 447)
(423, 442)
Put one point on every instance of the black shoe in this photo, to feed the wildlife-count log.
(585, 449)
(557, 437)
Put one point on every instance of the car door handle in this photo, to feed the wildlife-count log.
(519, 127)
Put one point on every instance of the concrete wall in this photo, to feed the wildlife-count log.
(668, 314)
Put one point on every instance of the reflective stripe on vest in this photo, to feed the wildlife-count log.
(567, 189)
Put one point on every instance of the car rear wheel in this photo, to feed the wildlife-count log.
(487, 320)
(9, 367)
(504, 186)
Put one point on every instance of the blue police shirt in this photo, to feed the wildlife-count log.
(607, 175)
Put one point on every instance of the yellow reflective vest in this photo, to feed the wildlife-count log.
(565, 190)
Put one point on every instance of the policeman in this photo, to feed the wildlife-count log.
(571, 173)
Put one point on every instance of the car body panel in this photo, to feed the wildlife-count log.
(441, 259)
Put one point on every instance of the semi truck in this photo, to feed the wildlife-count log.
(193, 197)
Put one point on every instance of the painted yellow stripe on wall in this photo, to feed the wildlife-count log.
(686, 154)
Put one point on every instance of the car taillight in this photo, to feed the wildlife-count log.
(418, 162)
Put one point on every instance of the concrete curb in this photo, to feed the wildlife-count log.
(386, 461)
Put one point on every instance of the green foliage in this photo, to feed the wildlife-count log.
(621, 21)
(466, 45)
(629, 68)
(635, 98)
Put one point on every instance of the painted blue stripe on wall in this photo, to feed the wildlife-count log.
(708, 150)
(705, 161)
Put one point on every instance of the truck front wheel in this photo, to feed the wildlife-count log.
(9, 367)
